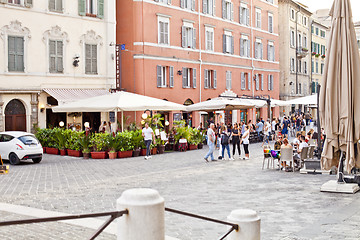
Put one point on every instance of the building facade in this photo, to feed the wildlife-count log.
(318, 53)
(295, 57)
(53, 51)
(187, 51)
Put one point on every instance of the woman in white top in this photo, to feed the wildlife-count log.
(245, 141)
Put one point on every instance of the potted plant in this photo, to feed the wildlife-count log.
(60, 140)
(317, 55)
(99, 144)
(161, 146)
(313, 53)
(304, 49)
(137, 140)
(125, 146)
(74, 143)
(113, 146)
(153, 149)
(52, 143)
(84, 143)
(43, 136)
(323, 56)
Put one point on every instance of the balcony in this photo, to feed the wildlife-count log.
(301, 52)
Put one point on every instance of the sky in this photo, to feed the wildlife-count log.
(321, 4)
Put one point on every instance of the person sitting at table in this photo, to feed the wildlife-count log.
(278, 143)
(297, 158)
(296, 141)
(286, 144)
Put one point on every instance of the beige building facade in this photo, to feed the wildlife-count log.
(53, 51)
(295, 56)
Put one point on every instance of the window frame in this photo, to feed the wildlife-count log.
(56, 56)
(91, 72)
(258, 17)
(209, 41)
(166, 22)
(16, 54)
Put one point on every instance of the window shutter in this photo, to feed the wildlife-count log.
(19, 49)
(261, 49)
(52, 6)
(194, 38)
(82, 7)
(193, 5)
(215, 80)
(230, 80)
(52, 56)
(183, 36)
(257, 82)
(270, 24)
(240, 15)
(241, 47)
(206, 82)
(87, 58)
(256, 50)
(94, 59)
(232, 44)
(100, 6)
(247, 17)
(224, 43)
(249, 81)
(262, 82)
(213, 2)
(269, 82)
(205, 5)
(248, 47)
(242, 79)
(158, 73)
(232, 12)
(182, 3)
(59, 53)
(184, 76)
(59, 6)
(268, 52)
(169, 2)
(194, 77)
(28, 3)
(223, 9)
(171, 76)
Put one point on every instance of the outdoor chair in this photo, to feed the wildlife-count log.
(303, 156)
(312, 142)
(268, 157)
(287, 156)
(311, 152)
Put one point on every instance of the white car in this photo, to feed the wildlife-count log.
(16, 146)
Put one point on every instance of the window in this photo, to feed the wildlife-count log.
(258, 18)
(292, 38)
(90, 58)
(322, 50)
(312, 29)
(262, 81)
(228, 43)
(188, 4)
(209, 39)
(189, 77)
(292, 14)
(244, 46)
(271, 51)
(163, 31)
(227, 10)
(257, 82)
(164, 1)
(270, 82)
(299, 88)
(14, 1)
(305, 42)
(292, 65)
(317, 31)
(55, 5)
(258, 49)
(322, 68)
(322, 33)
(299, 40)
(209, 7)
(270, 22)
(16, 54)
(299, 66)
(188, 36)
(228, 80)
(317, 67)
(270, 1)
(209, 78)
(305, 67)
(304, 21)
(244, 14)
(56, 56)
(243, 77)
(91, 8)
(161, 73)
(312, 66)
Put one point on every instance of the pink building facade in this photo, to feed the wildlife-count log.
(187, 51)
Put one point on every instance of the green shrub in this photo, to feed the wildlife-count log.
(99, 142)
(73, 139)
(124, 140)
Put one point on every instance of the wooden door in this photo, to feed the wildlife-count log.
(15, 116)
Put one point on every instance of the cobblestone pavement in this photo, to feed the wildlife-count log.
(290, 205)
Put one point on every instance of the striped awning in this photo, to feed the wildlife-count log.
(64, 95)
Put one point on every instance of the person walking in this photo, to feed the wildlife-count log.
(267, 132)
(148, 135)
(236, 139)
(225, 140)
(211, 142)
(245, 142)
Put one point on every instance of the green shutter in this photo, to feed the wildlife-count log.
(82, 7)
(100, 9)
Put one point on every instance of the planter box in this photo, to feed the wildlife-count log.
(143, 152)
(98, 155)
(74, 153)
(125, 154)
(112, 155)
(192, 147)
(50, 150)
(153, 151)
(62, 152)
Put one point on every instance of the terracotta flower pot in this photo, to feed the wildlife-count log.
(86, 155)
(143, 152)
(50, 150)
(62, 152)
(161, 149)
(98, 155)
(153, 151)
(192, 147)
(125, 154)
(112, 155)
(74, 153)
(136, 152)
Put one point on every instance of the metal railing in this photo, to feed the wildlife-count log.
(233, 226)
(113, 216)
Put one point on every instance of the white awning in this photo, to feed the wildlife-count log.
(64, 95)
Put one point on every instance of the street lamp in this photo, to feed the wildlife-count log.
(145, 116)
(61, 124)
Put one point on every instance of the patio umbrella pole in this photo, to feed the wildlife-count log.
(341, 169)
(319, 147)
(122, 121)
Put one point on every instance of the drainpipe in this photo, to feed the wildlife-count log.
(296, 49)
(252, 54)
(200, 59)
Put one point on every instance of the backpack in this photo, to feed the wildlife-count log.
(225, 139)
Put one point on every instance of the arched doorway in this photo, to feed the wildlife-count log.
(187, 116)
(15, 116)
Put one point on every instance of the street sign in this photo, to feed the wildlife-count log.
(122, 46)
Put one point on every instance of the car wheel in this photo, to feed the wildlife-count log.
(37, 160)
(13, 158)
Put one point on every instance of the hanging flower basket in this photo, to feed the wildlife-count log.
(317, 55)
(323, 56)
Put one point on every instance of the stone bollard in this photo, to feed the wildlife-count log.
(249, 225)
(146, 218)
